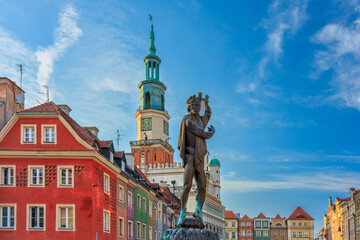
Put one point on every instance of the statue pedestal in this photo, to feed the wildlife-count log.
(190, 229)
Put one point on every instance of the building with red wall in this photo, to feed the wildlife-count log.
(56, 182)
(246, 228)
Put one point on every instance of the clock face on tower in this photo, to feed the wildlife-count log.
(146, 124)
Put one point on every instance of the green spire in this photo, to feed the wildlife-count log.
(152, 49)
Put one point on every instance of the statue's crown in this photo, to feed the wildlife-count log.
(194, 98)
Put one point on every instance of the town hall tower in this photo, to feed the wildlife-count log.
(152, 125)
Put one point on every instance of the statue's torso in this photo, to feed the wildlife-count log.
(190, 137)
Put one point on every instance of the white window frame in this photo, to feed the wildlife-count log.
(143, 231)
(67, 218)
(293, 234)
(138, 202)
(248, 224)
(28, 217)
(106, 183)
(243, 233)
(150, 208)
(106, 217)
(265, 233)
(11, 177)
(59, 172)
(121, 193)
(130, 229)
(242, 224)
(30, 174)
(300, 234)
(8, 206)
(43, 133)
(144, 204)
(138, 228)
(121, 226)
(130, 198)
(258, 233)
(150, 233)
(23, 135)
(265, 224)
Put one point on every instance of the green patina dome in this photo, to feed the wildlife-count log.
(214, 162)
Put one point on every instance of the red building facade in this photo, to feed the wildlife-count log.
(55, 182)
(246, 228)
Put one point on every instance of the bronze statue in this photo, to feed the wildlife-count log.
(192, 147)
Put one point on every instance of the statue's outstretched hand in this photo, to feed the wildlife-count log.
(211, 129)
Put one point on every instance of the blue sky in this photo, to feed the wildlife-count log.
(283, 79)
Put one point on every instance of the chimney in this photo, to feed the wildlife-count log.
(65, 108)
(351, 192)
(93, 130)
(163, 184)
(11, 100)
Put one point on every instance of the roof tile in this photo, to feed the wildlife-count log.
(230, 215)
(300, 214)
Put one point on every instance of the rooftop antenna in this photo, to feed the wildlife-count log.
(21, 70)
(118, 139)
(46, 93)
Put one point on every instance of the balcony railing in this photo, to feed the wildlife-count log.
(155, 107)
(151, 142)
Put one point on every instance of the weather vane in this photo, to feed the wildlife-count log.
(151, 17)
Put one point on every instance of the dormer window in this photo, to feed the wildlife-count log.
(48, 133)
(111, 157)
(28, 133)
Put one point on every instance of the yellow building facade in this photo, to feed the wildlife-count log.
(231, 227)
(333, 220)
(300, 225)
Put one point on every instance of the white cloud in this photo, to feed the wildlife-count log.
(38, 65)
(284, 21)
(64, 36)
(342, 55)
(340, 182)
(286, 18)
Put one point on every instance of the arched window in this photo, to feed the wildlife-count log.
(278, 224)
(148, 157)
(154, 157)
(162, 103)
(147, 100)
